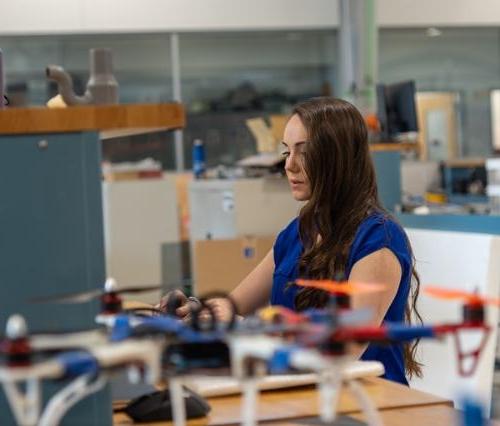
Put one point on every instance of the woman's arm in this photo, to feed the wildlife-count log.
(250, 294)
(255, 290)
(381, 266)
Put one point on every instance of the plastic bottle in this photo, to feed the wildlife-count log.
(198, 159)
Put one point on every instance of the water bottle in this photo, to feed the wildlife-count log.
(198, 159)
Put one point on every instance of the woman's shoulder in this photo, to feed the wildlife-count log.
(377, 231)
(381, 225)
(290, 230)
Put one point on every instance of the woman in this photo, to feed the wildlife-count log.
(342, 230)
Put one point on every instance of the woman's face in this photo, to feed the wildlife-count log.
(294, 140)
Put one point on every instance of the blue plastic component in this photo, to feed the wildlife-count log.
(78, 363)
(401, 332)
(280, 361)
(121, 328)
(472, 413)
(192, 336)
(166, 324)
(174, 325)
(318, 315)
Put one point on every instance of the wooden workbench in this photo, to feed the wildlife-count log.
(397, 404)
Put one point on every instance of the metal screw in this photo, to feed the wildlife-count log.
(43, 144)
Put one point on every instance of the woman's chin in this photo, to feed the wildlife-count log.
(300, 195)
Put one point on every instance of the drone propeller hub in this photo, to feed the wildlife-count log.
(110, 285)
(18, 352)
(16, 346)
(473, 312)
(16, 327)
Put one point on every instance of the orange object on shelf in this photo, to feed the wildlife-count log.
(372, 122)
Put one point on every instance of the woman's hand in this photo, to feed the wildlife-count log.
(222, 309)
(175, 302)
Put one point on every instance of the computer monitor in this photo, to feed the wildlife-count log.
(396, 109)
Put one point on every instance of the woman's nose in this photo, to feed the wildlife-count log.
(291, 164)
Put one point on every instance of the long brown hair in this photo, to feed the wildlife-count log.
(340, 170)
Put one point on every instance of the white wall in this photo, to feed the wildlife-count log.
(416, 13)
(97, 16)
(87, 16)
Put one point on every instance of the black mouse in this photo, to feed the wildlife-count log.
(157, 406)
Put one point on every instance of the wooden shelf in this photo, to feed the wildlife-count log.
(394, 146)
(466, 162)
(109, 119)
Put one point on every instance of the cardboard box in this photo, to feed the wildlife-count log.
(220, 265)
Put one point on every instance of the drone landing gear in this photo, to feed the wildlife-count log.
(329, 392)
(176, 393)
(25, 404)
(67, 397)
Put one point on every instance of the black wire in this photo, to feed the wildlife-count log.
(145, 309)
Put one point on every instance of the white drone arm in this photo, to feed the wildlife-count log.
(144, 351)
(81, 339)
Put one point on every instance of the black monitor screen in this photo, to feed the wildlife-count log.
(396, 109)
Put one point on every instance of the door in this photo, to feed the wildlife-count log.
(438, 124)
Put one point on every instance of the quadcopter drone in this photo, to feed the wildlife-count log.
(154, 348)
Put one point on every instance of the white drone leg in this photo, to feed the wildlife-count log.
(62, 401)
(177, 397)
(25, 405)
(329, 392)
(249, 407)
(365, 403)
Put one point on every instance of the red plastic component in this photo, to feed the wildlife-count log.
(462, 356)
(18, 352)
(362, 334)
(111, 303)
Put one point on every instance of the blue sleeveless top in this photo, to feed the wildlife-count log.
(377, 231)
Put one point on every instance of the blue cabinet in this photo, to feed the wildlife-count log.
(388, 172)
(51, 240)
